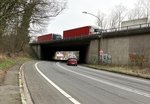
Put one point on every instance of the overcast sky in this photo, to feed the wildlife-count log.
(73, 17)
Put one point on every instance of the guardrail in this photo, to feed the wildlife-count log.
(126, 28)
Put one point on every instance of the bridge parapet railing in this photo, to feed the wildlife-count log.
(126, 28)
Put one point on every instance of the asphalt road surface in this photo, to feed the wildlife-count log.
(58, 83)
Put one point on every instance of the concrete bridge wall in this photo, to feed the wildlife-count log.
(37, 50)
(127, 50)
(92, 52)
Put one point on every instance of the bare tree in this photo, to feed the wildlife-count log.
(113, 21)
(45, 11)
(8, 11)
(37, 13)
(137, 12)
(141, 9)
(101, 22)
(117, 16)
(18, 18)
(146, 6)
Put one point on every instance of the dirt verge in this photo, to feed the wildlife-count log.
(9, 88)
(2, 76)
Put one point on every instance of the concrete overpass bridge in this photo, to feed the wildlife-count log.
(47, 50)
(127, 46)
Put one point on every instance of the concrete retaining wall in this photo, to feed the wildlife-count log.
(129, 50)
(92, 53)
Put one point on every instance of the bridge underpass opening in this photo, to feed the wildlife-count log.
(64, 55)
(49, 52)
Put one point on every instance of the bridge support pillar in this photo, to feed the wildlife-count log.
(92, 53)
(37, 50)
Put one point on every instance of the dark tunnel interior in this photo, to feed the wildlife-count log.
(48, 52)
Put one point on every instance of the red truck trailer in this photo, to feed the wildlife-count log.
(49, 37)
(79, 32)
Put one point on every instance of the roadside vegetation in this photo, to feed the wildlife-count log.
(134, 71)
(8, 62)
(19, 19)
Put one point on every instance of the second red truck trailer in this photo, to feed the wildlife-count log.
(79, 32)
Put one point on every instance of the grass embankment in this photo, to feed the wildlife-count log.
(8, 62)
(134, 71)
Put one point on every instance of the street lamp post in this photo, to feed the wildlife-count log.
(99, 36)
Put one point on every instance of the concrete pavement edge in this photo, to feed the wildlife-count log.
(24, 93)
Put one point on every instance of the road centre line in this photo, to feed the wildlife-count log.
(108, 83)
(74, 101)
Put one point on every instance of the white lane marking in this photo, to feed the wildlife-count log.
(108, 83)
(74, 101)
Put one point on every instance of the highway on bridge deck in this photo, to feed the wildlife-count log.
(58, 83)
